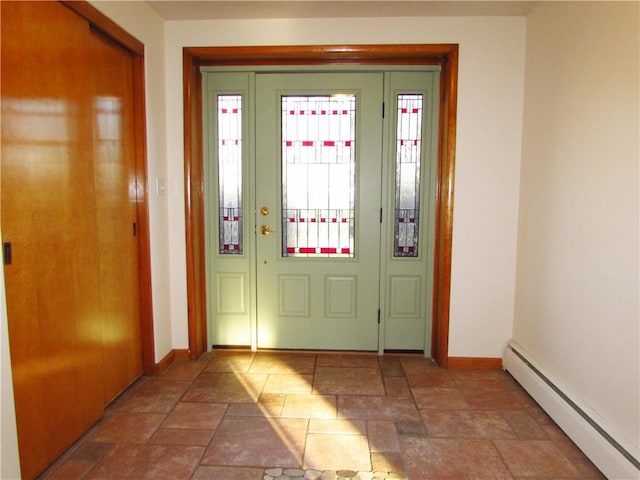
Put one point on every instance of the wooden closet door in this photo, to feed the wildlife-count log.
(68, 211)
(115, 186)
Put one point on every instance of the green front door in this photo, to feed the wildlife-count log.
(320, 209)
(318, 177)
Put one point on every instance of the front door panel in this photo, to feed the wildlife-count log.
(318, 177)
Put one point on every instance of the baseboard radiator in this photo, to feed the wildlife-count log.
(616, 459)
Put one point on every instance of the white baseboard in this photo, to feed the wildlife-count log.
(614, 457)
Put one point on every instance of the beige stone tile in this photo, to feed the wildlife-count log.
(382, 436)
(337, 452)
(466, 424)
(148, 462)
(310, 406)
(436, 458)
(353, 427)
(258, 442)
(536, 459)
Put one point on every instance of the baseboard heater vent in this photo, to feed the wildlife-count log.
(612, 457)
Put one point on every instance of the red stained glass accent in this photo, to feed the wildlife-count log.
(289, 143)
(225, 246)
(224, 110)
(323, 220)
(235, 110)
(347, 143)
(415, 142)
(237, 142)
(411, 249)
(329, 143)
(301, 112)
(307, 143)
(292, 220)
(225, 218)
(320, 250)
(401, 142)
(401, 220)
(415, 110)
(292, 112)
(403, 110)
(323, 112)
(313, 220)
(301, 220)
(313, 112)
(412, 220)
(334, 112)
(345, 112)
(334, 220)
(235, 219)
(224, 142)
(344, 220)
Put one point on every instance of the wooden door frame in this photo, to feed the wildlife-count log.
(445, 55)
(135, 48)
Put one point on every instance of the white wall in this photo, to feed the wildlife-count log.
(491, 79)
(141, 21)
(577, 308)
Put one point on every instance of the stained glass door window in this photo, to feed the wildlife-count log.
(318, 176)
(408, 160)
(230, 173)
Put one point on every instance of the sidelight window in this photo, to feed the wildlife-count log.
(230, 215)
(407, 188)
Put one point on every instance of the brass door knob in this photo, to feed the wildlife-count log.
(266, 230)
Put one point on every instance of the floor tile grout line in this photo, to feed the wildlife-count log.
(503, 460)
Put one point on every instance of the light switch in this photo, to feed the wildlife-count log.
(159, 186)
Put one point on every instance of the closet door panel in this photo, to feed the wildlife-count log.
(115, 185)
(68, 210)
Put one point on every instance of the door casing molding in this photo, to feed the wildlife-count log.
(444, 55)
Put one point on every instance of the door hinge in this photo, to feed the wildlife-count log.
(6, 253)
(134, 229)
(378, 316)
(380, 215)
(382, 109)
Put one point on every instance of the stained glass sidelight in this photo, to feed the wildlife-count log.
(407, 192)
(318, 175)
(230, 173)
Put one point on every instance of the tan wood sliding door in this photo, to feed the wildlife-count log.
(69, 224)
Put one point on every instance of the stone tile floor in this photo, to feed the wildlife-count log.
(237, 415)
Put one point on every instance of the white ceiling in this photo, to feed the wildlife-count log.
(238, 9)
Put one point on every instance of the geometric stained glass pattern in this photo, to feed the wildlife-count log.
(230, 219)
(408, 157)
(318, 176)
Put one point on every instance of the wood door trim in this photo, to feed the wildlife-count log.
(475, 363)
(114, 32)
(107, 26)
(445, 55)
